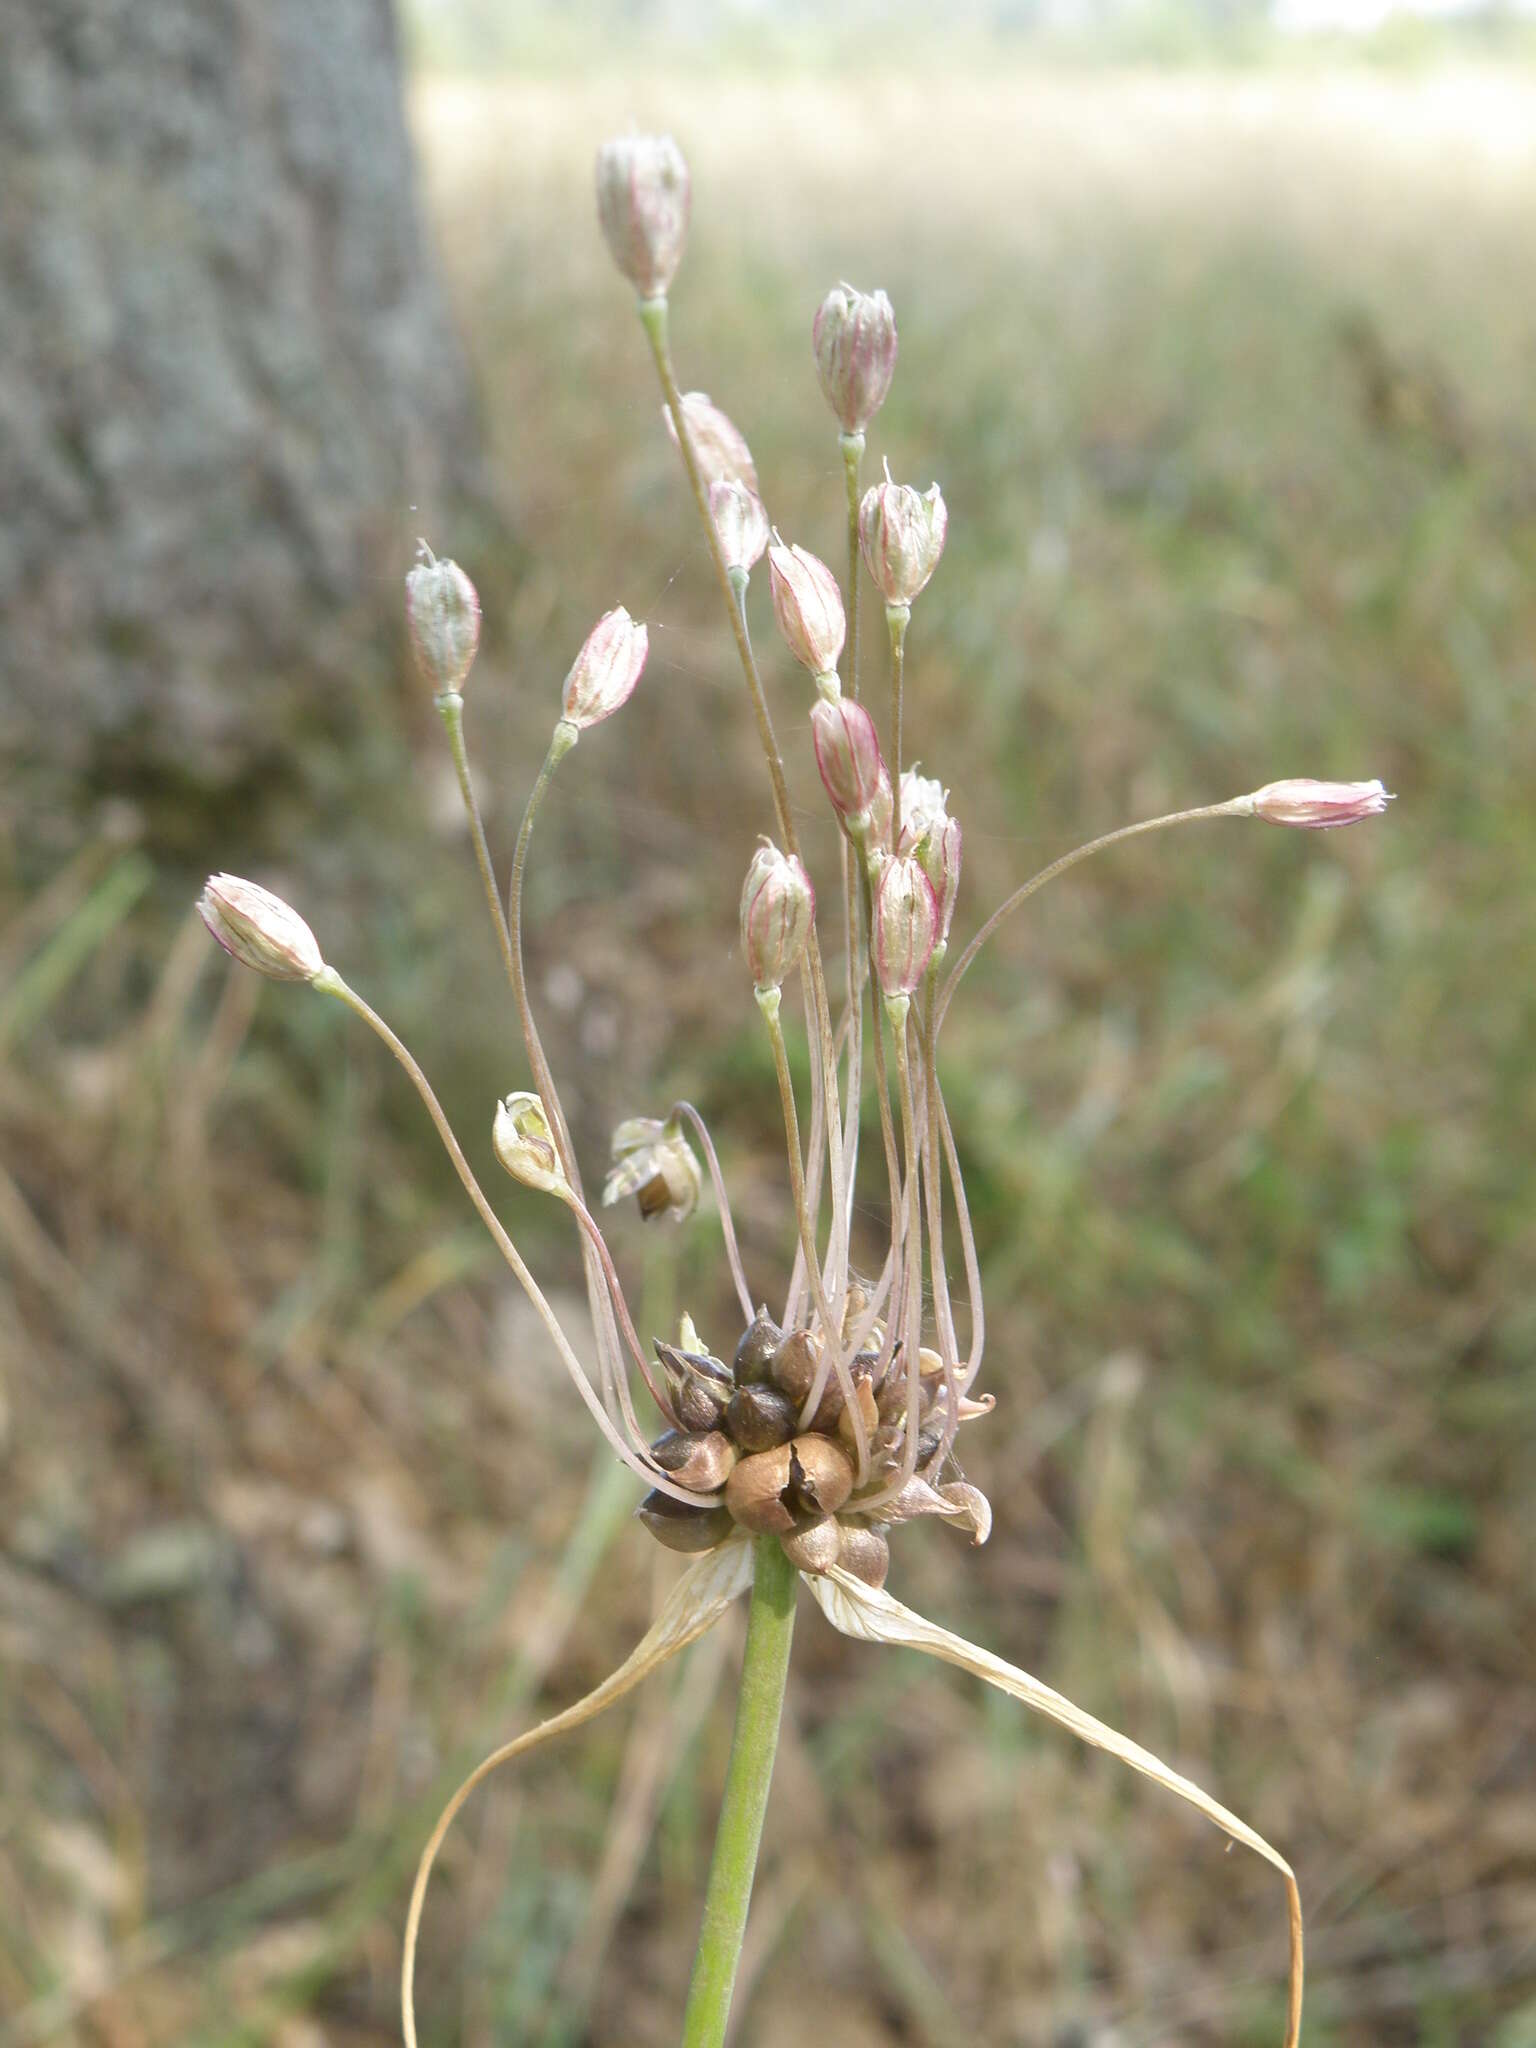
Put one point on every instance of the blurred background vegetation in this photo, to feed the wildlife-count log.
(1221, 341)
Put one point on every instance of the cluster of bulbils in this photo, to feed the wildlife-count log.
(742, 1437)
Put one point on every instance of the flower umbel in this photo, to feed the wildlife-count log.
(831, 1420)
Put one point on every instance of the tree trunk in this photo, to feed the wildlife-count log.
(230, 393)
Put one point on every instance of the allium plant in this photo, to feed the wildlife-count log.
(790, 1449)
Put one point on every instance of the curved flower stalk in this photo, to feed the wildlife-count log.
(818, 1429)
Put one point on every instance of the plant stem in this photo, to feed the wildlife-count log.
(770, 1625)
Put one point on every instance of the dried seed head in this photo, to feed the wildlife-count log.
(719, 446)
(808, 606)
(259, 929)
(754, 1354)
(854, 340)
(906, 925)
(793, 1367)
(525, 1145)
(901, 536)
(698, 1459)
(741, 524)
(847, 750)
(603, 676)
(759, 1417)
(642, 203)
(777, 907)
(865, 1553)
(816, 1547)
(1318, 805)
(654, 1162)
(681, 1527)
(442, 616)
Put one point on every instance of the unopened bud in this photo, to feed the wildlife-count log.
(442, 616)
(848, 756)
(654, 1162)
(878, 831)
(719, 446)
(259, 929)
(1317, 805)
(642, 203)
(777, 906)
(604, 674)
(808, 606)
(901, 535)
(525, 1145)
(906, 925)
(854, 339)
(741, 524)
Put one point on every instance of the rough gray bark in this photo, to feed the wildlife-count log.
(226, 375)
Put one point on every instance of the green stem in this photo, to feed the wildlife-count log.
(770, 1625)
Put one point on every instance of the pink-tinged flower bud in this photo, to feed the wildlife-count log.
(854, 339)
(901, 535)
(259, 929)
(777, 906)
(1317, 805)
(906, 925)
(604, 674)
(740, 523)
(654, 1162)
(808, 606)
(848, 756)
(524, 1144)
(939, 851)
(442, 615)
(878, 831)
(642, 203)
(719, 446)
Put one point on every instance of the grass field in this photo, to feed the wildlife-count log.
(1228, 381)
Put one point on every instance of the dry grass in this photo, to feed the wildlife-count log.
(1228, 384)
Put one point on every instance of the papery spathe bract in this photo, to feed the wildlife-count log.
(740, 523)
(777, 906)
(442, 616)
(643, 197)
(808, 606)
(853, 337)
(718, 444)
(906, 925)
(604, 674)
(525, 1145)
(1316, 806)
(259, 929)
(901, 536)
(848, 755)
(654, 1162)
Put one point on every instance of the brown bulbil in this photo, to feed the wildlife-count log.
(775, 1491)
(681, 1527)
(760, 1417)
(699, 1459)
(701, 1385)
(793, 1366)
(754, 1354)
(865, 1553)
(823, 1477)
(757, 1492)
(815, 1548)
(829, 1409)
